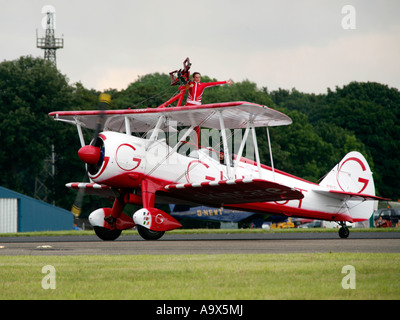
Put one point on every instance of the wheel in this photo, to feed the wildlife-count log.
(148, 234)
(107, 234)
(344, 232)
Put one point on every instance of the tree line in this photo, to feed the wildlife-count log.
(358, 116)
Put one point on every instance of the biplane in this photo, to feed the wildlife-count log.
(133, 159)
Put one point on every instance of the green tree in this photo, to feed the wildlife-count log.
(30, 88)
(239, 91)
(298, 149)
(371, 111)
(359, 116)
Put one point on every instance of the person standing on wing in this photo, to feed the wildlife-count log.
(196, 89)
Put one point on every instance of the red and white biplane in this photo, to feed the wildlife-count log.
(134, 159)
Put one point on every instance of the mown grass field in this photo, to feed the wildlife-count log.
(205, 277)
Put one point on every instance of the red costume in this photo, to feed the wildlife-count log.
(196, 91)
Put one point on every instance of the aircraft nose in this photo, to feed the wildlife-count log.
(89, 154)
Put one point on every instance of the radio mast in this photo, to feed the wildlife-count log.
(49, 43)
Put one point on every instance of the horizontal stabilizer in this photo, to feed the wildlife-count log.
(94, 189)
(349, 195)
(218, 193)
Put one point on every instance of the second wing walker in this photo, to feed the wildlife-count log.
(133, 159)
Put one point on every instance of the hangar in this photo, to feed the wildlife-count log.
(20, 213)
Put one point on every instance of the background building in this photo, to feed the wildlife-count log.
(20, 213)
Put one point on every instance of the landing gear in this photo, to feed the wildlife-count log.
(148, 234)
(108, 223)
(107, 234)
(343, 231)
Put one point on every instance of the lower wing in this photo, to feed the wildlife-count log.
(218, 193)
(94, 189)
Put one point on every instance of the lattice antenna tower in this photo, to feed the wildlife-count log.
(49, 43)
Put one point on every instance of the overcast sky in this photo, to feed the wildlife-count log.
(309, 45)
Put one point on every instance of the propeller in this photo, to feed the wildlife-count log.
(91, 154)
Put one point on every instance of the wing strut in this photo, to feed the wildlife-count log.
(127, 126)
(79, 128)
(253, 131)
(242, 144)
(249, 127)
(270, 155)
(155, 132)
(225, 143)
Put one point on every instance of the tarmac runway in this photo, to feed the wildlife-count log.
(241, 243)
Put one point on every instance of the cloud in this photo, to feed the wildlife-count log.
(274, 43)
(308, 68)
(365, 57)
(117, 78)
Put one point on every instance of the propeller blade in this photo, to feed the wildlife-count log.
(104, 101)
(77, 206)
(90, 154)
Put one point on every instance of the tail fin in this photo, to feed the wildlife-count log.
(352, 178)
(351, 174)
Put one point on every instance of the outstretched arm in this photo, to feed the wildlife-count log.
(218, 83)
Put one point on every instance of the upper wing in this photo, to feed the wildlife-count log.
(218, 193)
(236, 115)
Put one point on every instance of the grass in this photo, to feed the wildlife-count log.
(205, 277)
